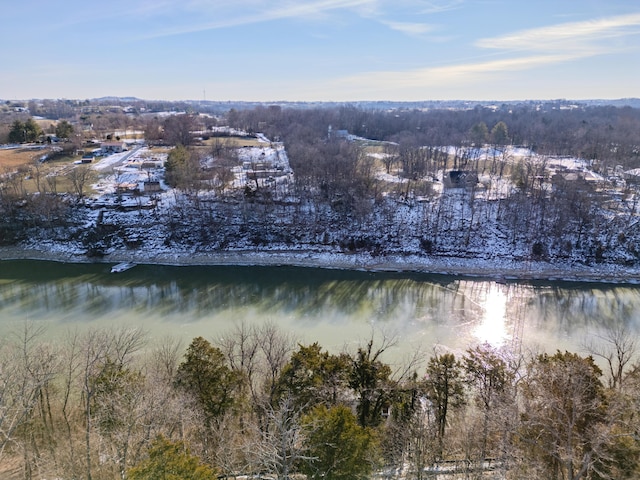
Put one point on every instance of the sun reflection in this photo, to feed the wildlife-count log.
(492, 328)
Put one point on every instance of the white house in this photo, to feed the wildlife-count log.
(109, 148)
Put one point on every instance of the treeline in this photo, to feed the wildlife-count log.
(107, 404)
(338, 198)
(541, 216)
(604, 133)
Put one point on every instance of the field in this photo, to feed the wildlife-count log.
(233, 142)
(10, 159)
(26, 160)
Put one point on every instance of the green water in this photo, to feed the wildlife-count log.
(336, 308)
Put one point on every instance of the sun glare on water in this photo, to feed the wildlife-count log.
(492, 328)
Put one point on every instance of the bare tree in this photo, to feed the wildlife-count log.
(51, 179)
(280, 446)
(241, 347)
(97, 349)
(389, 156)
(165, 357)
(491, 379)
(80, 177)
(276, 346)
(564, 425)
(26, 367)
(258, 353)
(15, 180)
(37, 172)
(118, 407)
(616, 346)
(178, 129)
(152, 130)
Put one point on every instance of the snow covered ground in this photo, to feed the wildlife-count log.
(500, 270)
(172, 227)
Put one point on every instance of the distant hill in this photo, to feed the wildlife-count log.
(225, 105)
(622, 102)
(116, 99)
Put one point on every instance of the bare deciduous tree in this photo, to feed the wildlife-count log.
(616, 347)
(26, 366)
(564, 420)
(96, 349)
(178, 129)
(280, 446)
(80, 177)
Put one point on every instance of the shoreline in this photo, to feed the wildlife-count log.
(499, 270)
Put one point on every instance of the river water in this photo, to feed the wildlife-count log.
(339, 309)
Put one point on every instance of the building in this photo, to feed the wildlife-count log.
(460, 179)
(109, 148)
(152, 185)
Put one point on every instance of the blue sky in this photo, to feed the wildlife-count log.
(321, 50)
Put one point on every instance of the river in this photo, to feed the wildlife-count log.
(337, 308)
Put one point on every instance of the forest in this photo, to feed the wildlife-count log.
(256, 403)
(362, 180)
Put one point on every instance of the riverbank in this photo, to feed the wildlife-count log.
(495, 269)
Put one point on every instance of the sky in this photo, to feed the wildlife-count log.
(321, 50)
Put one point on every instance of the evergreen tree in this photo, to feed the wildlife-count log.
(313, 376)
(339, 448)
(182, 168)
(17, 133)
(500, 134)
(64, 130)
(479, 134)
(170, 461)
(205, 375)
(370, 380)
(444, 387)
(28, 131)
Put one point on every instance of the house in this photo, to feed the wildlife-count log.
(128, 182)
(151, 186)
(109, 148)
(460, 179)
(577, 179)
(150, 165)
(632, 176)
(127, 187)
(338, 134)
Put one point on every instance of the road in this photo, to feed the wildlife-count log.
(116, 160)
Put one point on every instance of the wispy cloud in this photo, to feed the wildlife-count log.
(565, 36)
(412, 29)
(234, 13)
(446, 75)
(525, 50)
(389, 13)
(440, 6)
(258, 12)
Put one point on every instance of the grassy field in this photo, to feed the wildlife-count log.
(234, 142)
(27, 160)
(10, 159)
